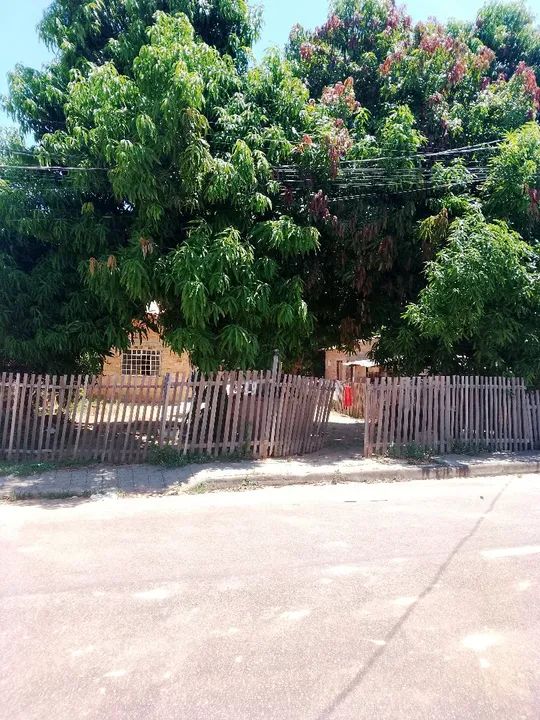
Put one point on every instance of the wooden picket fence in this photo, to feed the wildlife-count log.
(117, 419)
(446, 414)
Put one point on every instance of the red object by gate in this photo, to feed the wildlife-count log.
(347, 396)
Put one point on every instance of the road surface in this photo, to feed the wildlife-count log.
(404, 601)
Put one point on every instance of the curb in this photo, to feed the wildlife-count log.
(205, 480)
(433, 471)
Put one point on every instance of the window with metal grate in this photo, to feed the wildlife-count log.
(141, 362)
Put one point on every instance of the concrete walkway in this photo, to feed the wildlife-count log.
(341, 460)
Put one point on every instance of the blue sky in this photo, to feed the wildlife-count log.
(19, 42)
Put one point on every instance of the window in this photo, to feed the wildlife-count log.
(339, 369)
(141, 362)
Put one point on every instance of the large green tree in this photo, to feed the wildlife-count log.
(159, 188)
(480, 308)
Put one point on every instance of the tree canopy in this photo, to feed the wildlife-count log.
(432, 120)
(359, 184)
(160, 188)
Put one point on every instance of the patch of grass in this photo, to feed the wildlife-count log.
(410, 451)
(466, 447)
(168, 456)
(199, 489)
(22, 495)
(205, 487)
(25, 469)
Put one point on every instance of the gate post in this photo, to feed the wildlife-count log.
(367, 426)
(164, 407)
(276, 365)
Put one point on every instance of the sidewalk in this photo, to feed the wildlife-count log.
(151, 479)
(340, 461)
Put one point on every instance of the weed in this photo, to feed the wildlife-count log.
(204, 487)
(410, 451)
(199, 489)
(171, 457)
(469, 447)
(24, 469)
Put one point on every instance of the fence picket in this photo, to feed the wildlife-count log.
(6, 415)
(141, 400)
(43, 416)
(70, 385)
(250, 416)
(57, 428)
(115, 387)
(24, 447)
(14, 412)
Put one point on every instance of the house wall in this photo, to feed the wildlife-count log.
(332, 371)
(170, 361)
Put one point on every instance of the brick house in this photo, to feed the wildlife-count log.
(147, 356)
(348, 367)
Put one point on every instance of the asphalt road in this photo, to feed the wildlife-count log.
(407, 601)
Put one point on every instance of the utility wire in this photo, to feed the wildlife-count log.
(464, 150)
(45, 168)
(425, 188)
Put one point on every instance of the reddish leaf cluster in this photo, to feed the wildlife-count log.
(305, 143)
(341, 93)
(534, 197)
(393, 58)
(306, 51)
(430, 43)
(333, 23)
(370, 232)
(397, 17)
(386, 251)
(287, 196)
(349, 331)
(338, 227)
(457, 73)
(484, 58)
(147, 246)
(362, 281)
(318, 206)
(338, 144)
(435, 99)
(529, 82)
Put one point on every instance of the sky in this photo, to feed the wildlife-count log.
(19, 42)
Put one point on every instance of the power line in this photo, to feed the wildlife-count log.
(463, 150)
(57, 168)
(424, 188)
(394, 184)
